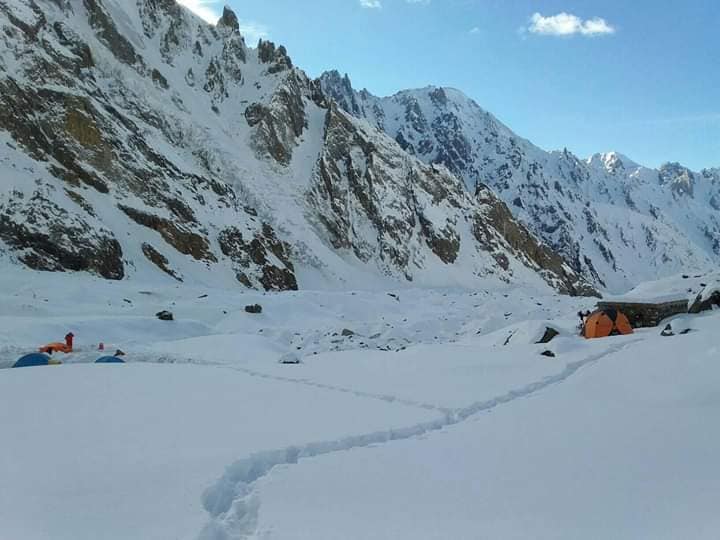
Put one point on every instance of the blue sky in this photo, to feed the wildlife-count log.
(641, 77)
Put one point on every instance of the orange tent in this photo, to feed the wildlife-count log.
(55, 347)
(607, 322)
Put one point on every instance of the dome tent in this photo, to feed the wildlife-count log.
(605, 323)
(35, 360)
(109, 360)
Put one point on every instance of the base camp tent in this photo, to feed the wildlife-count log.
(36, 359)
(109, 360)
(607, 322)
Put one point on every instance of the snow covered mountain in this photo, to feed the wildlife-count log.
(618, 223)
(137, 139)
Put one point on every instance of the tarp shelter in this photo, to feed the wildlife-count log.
(607, 322)
(36, 359)
(109, 360)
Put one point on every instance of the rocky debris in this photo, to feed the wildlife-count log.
(347, 332)
(548, 336)
(254, 309)
(667, 331)
(165, 316)
(548, 354)
(266, 252)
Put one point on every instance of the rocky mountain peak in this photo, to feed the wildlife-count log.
(680, 179)
(229, 20)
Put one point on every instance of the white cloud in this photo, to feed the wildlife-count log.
(566, 24)
(475, 30)
(210, 11)
(377, 4)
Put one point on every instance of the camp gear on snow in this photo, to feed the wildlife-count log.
(66, 347)
(34, 360)
(606, 322)
(51, 348)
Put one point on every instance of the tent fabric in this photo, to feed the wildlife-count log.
(56, 347)
(109, 360)
(607, 322)
(34, 360)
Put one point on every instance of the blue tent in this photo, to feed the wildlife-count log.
(36, 359)
(109, 360)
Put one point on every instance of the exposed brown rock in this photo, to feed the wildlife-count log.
(182, 239)
(159, 260)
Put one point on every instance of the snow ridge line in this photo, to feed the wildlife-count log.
(233, 503)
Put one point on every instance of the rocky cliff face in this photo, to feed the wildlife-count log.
(616, 222)
(137, 140)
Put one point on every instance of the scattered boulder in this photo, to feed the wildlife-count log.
(347, 332)
(549, 335)
(668, 331)
(255, 309)
(549, 354)
(290, 359)
(165, 316)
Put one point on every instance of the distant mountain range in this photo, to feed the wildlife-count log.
(616, 222)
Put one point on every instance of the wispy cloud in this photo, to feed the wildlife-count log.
(207, 9)
(377, 4)
(210, 11)
(567, 24)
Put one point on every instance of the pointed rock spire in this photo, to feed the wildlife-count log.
(229, 20)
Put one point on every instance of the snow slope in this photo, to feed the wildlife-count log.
(620, 450)
(414, 414)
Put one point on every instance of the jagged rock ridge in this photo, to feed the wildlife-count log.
(617, 223)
